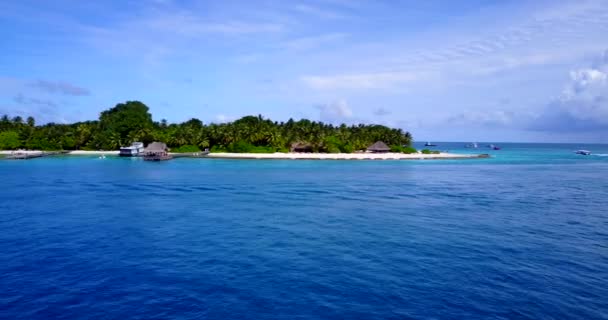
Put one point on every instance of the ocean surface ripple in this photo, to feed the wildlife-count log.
(521, 236)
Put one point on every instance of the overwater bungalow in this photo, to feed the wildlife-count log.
(134, 150)
(157, 151)
(378, 147)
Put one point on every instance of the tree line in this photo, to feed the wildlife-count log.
(131, 121)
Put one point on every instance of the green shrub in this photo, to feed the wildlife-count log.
(331, 144)
(262, 149)
(218, 149)
(333, 149)
(239, 147)
(186, 149)
(347, 148)
(402, 149)
(427, 151)
(245, 147)
(395, 148)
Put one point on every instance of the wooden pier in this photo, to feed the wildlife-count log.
(201, 154)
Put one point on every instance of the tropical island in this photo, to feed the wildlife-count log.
(250, 135)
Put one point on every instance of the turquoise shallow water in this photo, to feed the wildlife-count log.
(523, 235)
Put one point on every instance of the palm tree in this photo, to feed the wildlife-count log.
(83, 134)
(203, 142)
(114, 141)
(31, 122)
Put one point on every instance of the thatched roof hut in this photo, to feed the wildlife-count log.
(378, 147)
(156, 147)
(157, 151)
(301, 147)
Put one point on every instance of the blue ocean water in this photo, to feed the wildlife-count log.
(522, 235)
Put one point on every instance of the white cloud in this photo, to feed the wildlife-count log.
(222, 118)
(336, 111)
(582, 105)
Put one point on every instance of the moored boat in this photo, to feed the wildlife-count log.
(493, 147)
(428, 144)
(134, 150)
(583, 152)
(471, 145)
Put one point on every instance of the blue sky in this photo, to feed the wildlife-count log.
(471, 70)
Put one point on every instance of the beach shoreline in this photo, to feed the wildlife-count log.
(344, 156)
(292, 156)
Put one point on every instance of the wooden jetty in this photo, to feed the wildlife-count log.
(201, 154)
(31, 155)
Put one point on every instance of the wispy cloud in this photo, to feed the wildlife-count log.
(27, 101)
(319, 12)
(313, 42)
(490, 118)
(60, 87)
(187, 24)
(44, 110)
(381, 112)
(384, 80)
(546, 37)
(156, 35)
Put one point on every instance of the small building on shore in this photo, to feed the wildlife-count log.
(301, 147)
(157, 151)
(379, 147)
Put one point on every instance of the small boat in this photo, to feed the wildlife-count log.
(134, 150)
(428, 144)
(493, 147)
(471, 145)
(583, 152)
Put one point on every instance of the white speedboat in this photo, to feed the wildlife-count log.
(583, 152)
(134, 150)
(471, 145)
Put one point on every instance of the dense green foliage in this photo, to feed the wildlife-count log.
(131, 121)
(427, 151)
(9, 140)
(403, 149)
(185, 149)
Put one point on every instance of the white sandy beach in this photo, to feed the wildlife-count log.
(75, 152)
(293, 156)
(341, 156)
(93, 153)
